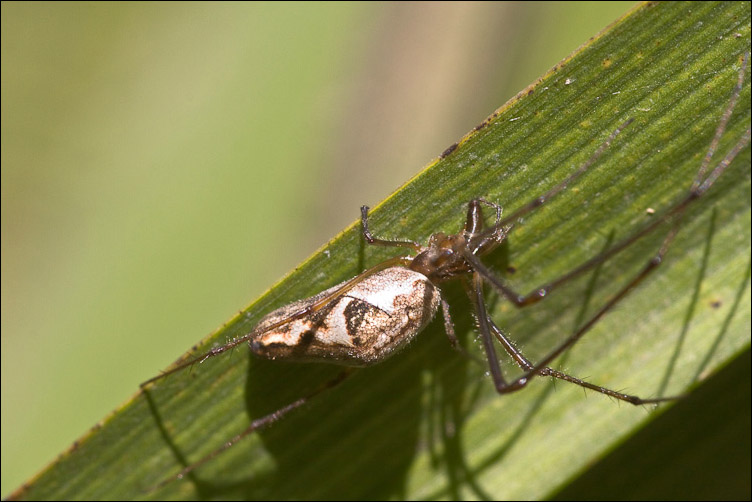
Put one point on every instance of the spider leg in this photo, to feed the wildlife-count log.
(485, 334)
(542, 366)
(370, 239)
(259, 423)
(674, 214)
(700, 185)
(449, 329)
(495, 207)
(487, 326)
(721, 126)
(525, 364)
(449, 325)
(542, 199)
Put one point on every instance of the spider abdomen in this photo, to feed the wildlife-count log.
(366, 324)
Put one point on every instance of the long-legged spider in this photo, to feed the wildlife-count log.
(366, 319)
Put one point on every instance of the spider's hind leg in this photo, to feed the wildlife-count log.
(487, 327)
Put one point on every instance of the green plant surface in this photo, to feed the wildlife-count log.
(427, 423)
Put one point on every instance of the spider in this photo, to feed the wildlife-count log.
(370, 317)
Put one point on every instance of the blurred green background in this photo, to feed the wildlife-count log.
(139, 139)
